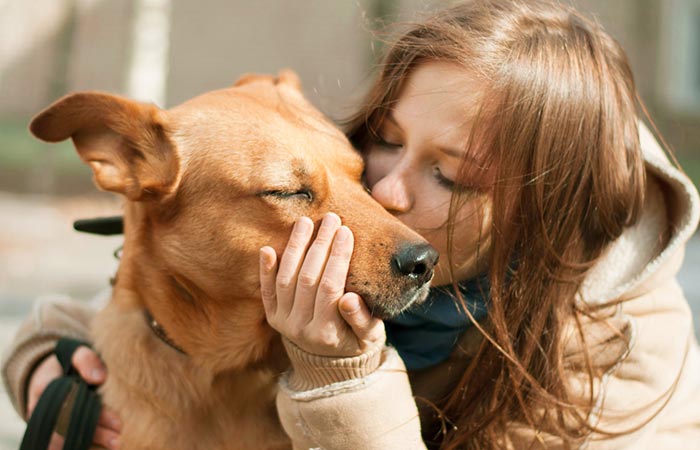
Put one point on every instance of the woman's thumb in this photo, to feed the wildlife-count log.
(357, 315)
(89, 365)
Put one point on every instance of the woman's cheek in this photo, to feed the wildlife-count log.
(471, 244)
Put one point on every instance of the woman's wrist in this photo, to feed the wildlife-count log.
(311, 371)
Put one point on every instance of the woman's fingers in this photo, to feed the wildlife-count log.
(304, 294)
(110, 420)
(290, 264)
(368, 329)
(109, 426)
(332, 284)
(89, 365)
(312, 271)
(56, 442)
(106, 437)
(268, 280)
(47, 371)
(90, 368)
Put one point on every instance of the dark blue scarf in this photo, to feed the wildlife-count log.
(426, 334)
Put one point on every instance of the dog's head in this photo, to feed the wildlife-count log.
(211, 181)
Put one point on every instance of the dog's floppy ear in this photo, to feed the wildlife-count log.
(124, 142)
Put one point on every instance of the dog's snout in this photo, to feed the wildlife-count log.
(416, 261)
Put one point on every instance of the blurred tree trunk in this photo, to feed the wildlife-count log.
(148, 68)
(43, 177)
(65, 39)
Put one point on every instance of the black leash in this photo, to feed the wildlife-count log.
(67, 393)
(69, 405)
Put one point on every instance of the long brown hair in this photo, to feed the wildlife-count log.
(558, 119)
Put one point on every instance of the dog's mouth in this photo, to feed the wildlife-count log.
(383, 309)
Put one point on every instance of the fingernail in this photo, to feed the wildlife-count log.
(97, 374)
(343, 234)
(114, 443)
(115, 423)
(303, 225)
(265, 261)
(351, 305)
(330, 218)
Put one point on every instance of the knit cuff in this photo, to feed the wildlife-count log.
(20, 365)
(311, 371)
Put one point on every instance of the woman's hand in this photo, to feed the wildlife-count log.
(91, 369)
(304, 295)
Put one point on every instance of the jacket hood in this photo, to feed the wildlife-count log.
(669, 218)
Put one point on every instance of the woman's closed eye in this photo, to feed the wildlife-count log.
(442, 179)
(386, 143)
(451, 185)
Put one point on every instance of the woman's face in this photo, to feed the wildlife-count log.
(412, 169)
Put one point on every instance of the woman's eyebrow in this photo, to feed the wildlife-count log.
(452, 152)
(462, 154)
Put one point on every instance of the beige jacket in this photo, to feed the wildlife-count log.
(649, 356)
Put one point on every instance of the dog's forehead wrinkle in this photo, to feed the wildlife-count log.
(286, 173)
(300, 167)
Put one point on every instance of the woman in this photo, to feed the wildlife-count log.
(507, 134)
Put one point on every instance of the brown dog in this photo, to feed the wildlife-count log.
(207, 184)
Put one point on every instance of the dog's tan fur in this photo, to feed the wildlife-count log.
(207, 184)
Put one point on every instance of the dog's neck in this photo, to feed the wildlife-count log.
(205, 328)
(151, 383)
(211, 391)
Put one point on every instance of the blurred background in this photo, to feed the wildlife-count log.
(166, 51)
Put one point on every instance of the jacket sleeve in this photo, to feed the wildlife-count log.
(653, 395)
(36, 338)
(364, 402)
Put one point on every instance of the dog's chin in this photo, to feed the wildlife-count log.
(384, 309)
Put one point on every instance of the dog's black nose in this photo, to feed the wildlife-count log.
(416, 261)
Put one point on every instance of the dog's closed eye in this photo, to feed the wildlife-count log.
(301, 194)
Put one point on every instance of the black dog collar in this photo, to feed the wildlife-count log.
(105, 226)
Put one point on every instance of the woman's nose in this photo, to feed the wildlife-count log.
(392, 193)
